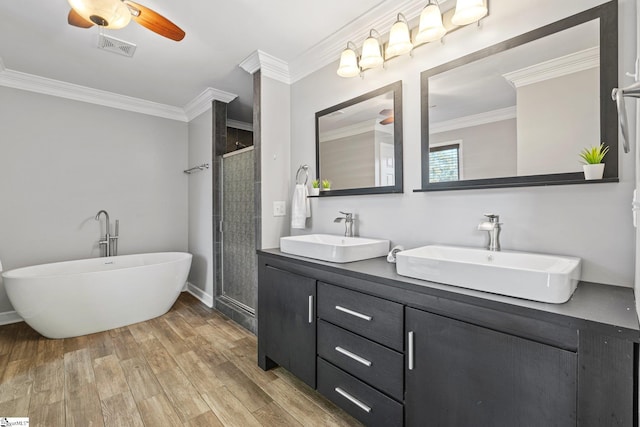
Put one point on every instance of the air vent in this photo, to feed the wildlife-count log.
(115, 45)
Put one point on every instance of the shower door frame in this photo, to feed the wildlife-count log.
(223, 296)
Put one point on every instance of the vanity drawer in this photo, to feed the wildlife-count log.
(358, 399)
(373, 363)
(371, 317)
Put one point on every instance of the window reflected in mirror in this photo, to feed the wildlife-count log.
(521, 111)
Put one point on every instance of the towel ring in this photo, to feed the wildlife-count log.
(305, 169)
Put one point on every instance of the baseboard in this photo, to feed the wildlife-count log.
(9, 317)
(200, 294)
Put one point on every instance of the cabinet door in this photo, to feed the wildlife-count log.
(287, 323)
(458, 374)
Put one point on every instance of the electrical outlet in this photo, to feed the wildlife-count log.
(279, 208)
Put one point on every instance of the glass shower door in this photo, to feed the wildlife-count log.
(239, 274)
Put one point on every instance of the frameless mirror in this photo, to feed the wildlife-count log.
(359, 144)
(519, 113)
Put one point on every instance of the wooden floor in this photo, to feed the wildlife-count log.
(192, 367)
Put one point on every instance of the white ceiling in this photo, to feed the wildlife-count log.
(36, 39)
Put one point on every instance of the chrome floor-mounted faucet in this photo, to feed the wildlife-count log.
(348, 223)
(110, 242)
(493, 228)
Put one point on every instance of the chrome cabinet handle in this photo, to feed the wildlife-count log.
(353, 356)
(353, 400)
(354, 313)
(310, 308)
(410, 350)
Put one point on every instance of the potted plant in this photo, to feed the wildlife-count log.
(315, 187)
(592, 158)
(326, 185)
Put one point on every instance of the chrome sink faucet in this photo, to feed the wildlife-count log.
(110, 242)
(493, 228)
(348, 223)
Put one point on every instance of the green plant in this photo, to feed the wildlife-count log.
(326, 184)
(594, 155)
(315, 183)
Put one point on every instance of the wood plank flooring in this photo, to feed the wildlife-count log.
(192, 367)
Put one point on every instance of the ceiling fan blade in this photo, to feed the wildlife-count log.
(386, 112)
(76, 20)
(155, 22)
(387, 121)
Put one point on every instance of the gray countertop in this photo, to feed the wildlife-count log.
(610, 306)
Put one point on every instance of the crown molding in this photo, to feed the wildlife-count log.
(347, 131)
(43, 85)
(251, 63)
(239, 125)
(269, 66)
(554, 68)
(46, 86)
(202, 102)
(474, 120)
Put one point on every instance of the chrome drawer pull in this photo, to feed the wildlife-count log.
(354, 313)
(353, 400)
(353, 356)
(311, 309)
(410, 350)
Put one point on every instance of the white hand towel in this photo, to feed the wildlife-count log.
(300, 208)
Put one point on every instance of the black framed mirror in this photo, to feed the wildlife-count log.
(518, 113)
(359, 144)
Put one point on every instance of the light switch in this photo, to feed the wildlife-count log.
(279, 207)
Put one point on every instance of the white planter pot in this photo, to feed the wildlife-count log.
(314, 191)
(593, 171)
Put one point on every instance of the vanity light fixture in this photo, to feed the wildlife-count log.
(468, 12)
(399, 38)
(431, 27)
(112, 14)
(371, 51)
(349, 61)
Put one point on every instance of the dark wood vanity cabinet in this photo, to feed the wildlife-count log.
(459, 374)
(287, 322)
(391, 352)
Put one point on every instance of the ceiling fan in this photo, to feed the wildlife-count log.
(115, 14)
(388, 114)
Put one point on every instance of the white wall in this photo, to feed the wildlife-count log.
(277, 171)
(201, 204)
(61, 161)
(589, 221)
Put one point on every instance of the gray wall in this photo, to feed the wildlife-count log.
(349, 162)
(61, 161)
(488, 150)
(201, 205)
(571, 122)
(589, 221)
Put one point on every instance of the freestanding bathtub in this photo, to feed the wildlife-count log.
(73, 298)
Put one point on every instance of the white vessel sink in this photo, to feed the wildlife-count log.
(327, 247)
(537, 277)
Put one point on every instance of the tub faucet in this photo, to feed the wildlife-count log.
(348, 223)
(110, 242)
(493, 228)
